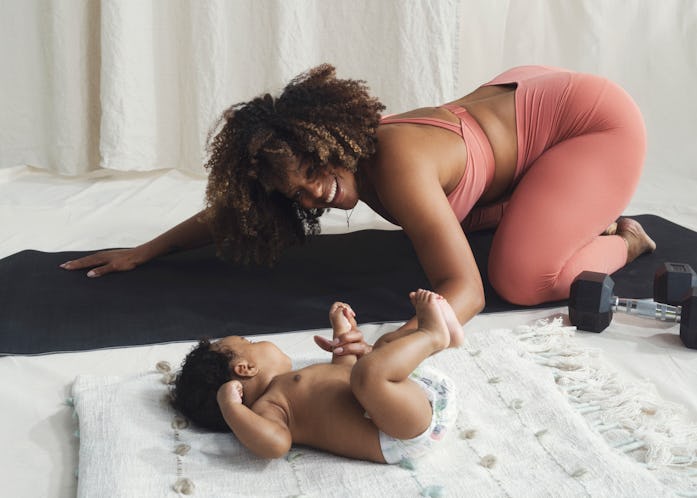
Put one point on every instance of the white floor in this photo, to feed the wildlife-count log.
(45, 212)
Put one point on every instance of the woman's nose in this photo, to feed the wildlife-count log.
(314, 188)
(311, 193)
(310, 197)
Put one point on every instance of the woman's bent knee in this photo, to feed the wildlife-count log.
(524, 288)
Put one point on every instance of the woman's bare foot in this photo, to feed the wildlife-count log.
(341, 316)
(638, 241)
(430, 317)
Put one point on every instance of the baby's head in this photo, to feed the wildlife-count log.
(209, 365)
(203, 371)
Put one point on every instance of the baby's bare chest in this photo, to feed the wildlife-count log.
(318, 397)
(309, 385)
(323, 412)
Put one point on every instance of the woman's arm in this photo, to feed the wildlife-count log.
(410, 190)
(189, 234)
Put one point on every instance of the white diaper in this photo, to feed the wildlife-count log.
(441, 393)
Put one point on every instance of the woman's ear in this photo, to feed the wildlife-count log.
(243, 368)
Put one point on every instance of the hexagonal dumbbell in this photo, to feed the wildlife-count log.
(592, 303)
(672, 281)
(688, 319)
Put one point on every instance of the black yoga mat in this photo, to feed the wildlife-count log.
(193, 294)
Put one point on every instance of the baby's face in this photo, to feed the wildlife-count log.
(265, 355)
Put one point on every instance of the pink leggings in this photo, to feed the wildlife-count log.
(581, 148)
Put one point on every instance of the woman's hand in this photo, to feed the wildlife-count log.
(349, 343)
(104, 262)
(188, 234)
(231, 391)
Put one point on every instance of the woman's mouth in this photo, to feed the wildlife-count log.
(332, 191)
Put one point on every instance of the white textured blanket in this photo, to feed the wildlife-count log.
(538, 417)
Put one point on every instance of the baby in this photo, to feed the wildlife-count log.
(369, 404)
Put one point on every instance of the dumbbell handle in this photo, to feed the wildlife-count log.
(648, 308)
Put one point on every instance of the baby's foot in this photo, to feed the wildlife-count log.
(638, 241)
(430, 317)
(341, 316)
(457, 335)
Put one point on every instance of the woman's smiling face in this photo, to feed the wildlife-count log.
(323, 188)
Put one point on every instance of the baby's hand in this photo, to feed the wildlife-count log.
(342, 318)
(231, 391)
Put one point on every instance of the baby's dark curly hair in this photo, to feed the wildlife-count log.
(196, 387)
(319, 118)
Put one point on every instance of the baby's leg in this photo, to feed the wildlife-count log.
(379, 380)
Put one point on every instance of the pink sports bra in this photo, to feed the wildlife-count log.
(479, 169)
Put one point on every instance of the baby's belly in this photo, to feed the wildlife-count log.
(336, 423)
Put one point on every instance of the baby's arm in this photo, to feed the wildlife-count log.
(264, 431)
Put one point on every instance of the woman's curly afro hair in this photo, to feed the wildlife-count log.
(322, 119)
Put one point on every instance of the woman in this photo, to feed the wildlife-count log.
(548, 156)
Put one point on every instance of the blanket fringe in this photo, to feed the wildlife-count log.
(631, 417)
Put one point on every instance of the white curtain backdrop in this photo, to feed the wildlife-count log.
(136, 85)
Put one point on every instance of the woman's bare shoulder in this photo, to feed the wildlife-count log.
(405, 146)
(402, 177)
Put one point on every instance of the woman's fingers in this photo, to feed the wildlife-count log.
(324, 343)
(357, 348)
(101, 270)
(348, 343)
(103, 262)
(85, 262)
(353, 335)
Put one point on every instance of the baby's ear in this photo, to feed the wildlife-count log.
(243, 368)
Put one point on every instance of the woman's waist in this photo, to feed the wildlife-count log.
(492, 146)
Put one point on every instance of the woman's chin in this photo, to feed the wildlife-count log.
(347, 203)
(354, 203)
